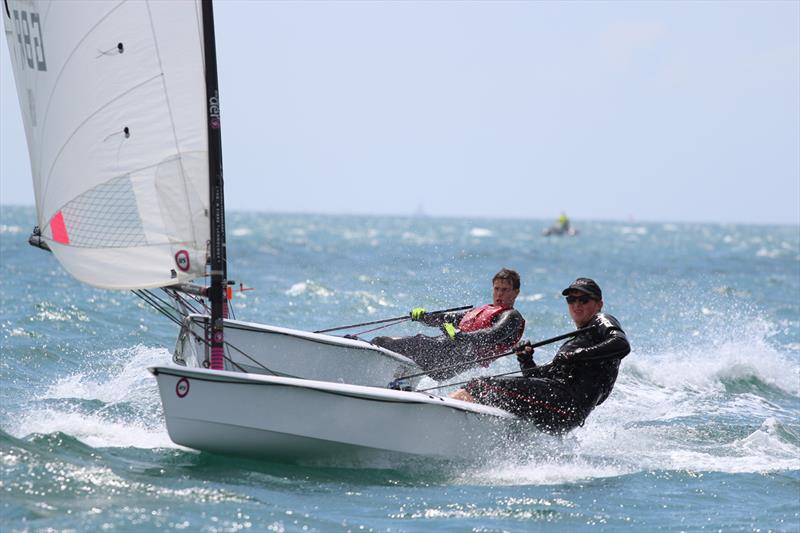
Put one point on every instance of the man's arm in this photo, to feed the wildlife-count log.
(435, 320)
(616, 346)
(524, 351)
(613, 344)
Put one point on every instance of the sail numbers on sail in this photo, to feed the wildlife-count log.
(28, 30)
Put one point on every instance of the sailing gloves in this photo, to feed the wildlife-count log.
(417, 313)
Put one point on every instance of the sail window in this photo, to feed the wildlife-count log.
(105, 216)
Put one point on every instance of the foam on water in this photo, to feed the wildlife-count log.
(241, 232)
(309, 287)
(708, 364)
(369, 301)
(96, 430)
(481, 232)
(411, 237)
(123, 404)
(536, 469)
(126, 381)
(605, 449)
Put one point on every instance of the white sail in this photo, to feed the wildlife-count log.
(113, 101)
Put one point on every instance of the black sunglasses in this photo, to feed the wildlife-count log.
(582, 299)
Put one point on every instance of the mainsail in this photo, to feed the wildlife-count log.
(113, 100)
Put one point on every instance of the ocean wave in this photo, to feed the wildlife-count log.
(241, 232)
(481, 232)
(372, 303)
(309, 287)
(418, 239)
(59, 466)
(47, 311)
(780, 441)
(111, 402)
(719, 367)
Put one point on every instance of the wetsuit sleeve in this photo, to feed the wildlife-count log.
(528, 367)
(504, 331)
(436, 320)
(613, 344)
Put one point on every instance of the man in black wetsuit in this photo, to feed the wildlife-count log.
(560, 395)
(469, 335)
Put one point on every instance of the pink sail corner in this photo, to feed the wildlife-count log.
(59, 229)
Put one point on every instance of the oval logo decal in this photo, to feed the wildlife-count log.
(182, 388)
(182, 260)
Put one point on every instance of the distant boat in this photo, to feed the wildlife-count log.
(561, 227)
(556, 230)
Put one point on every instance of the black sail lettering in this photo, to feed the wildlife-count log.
(18, 27)
(38, 43)
(26, 37)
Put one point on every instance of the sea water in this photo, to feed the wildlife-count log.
(701, 433)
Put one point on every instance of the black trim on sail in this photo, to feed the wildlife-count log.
(216, 191)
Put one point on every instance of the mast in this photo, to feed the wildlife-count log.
(216, 190)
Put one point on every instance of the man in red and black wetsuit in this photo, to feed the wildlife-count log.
(560, 395)
(479, 332)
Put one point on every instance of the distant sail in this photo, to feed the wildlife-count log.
(113, 101)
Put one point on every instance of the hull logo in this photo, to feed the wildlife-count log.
(182, 388)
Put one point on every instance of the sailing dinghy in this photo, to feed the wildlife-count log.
(121, 109)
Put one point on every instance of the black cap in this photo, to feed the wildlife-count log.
(586, 286)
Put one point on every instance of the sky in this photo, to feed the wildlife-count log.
(633, 111)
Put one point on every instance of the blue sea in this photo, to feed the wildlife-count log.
(701, 433)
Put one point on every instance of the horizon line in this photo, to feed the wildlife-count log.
(544, 219)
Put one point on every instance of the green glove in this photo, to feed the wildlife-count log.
(417, 313)
(450, 329)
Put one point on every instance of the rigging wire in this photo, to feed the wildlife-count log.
(379, 327)
(148, 298)
(170, 312)
(188, 301)
(167, 304)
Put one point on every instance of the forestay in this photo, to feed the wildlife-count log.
(113, 102)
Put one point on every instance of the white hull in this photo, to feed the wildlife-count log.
(295, 419)
(272, 350)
